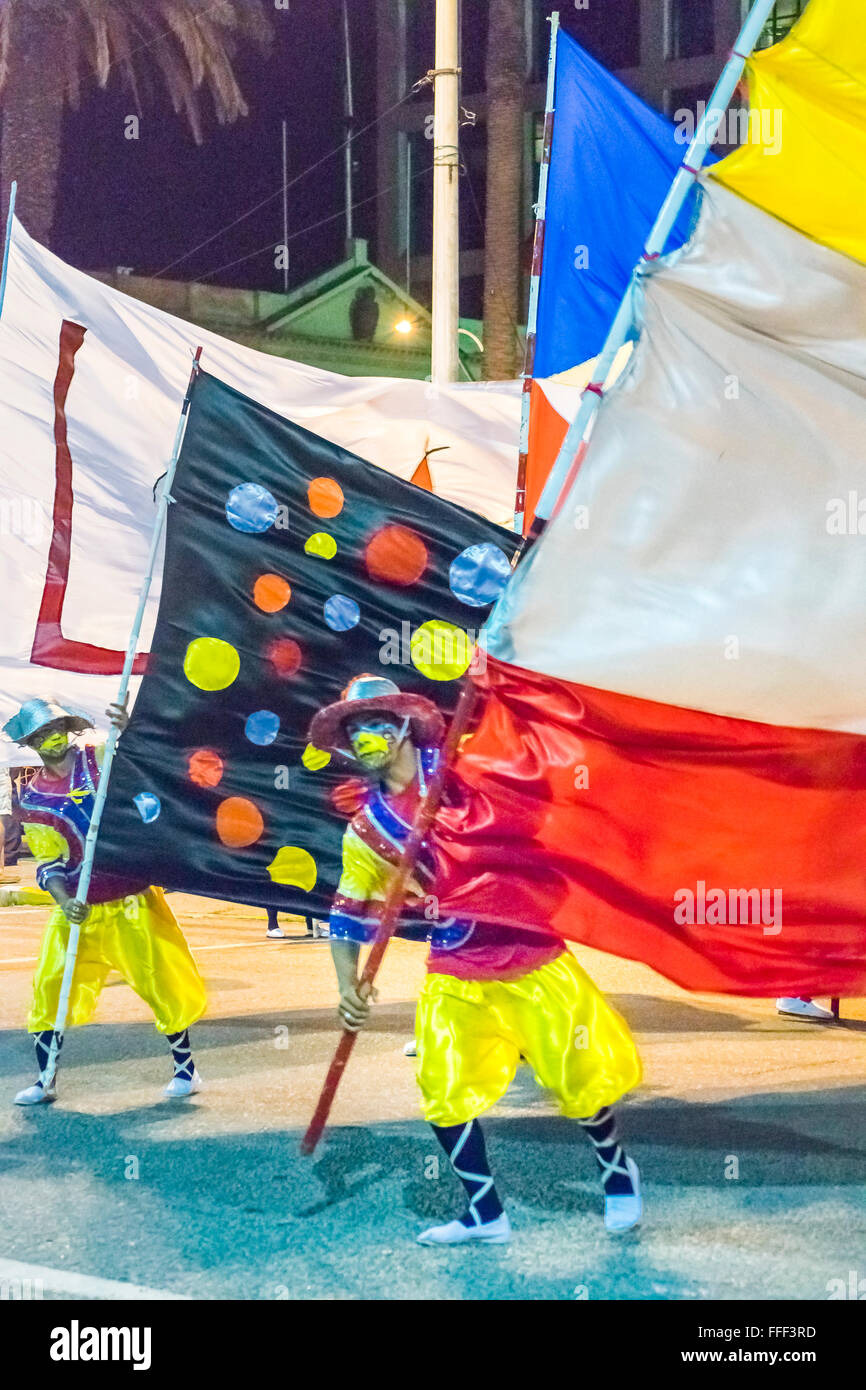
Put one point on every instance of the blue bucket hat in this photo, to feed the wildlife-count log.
(35, 714)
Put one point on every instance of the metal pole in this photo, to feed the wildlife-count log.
(562, 474)
(350, 121)
(535, 279)
(285, 207)
(408, 214)
(446, 228)
(13, 191)
(47, 1075)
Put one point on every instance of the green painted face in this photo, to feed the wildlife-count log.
(54, 745)
(374, 742)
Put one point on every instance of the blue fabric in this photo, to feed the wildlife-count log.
(612, 162)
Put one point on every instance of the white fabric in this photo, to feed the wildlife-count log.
(704, 571)
(5, 793)
(122, 411)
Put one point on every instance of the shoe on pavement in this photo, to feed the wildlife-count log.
(37, 1094)
(320, 929)
(277, 934)
(410, 1049)
(181, 1086)
(624, 1210)
(804, 1008)
(496, 1232)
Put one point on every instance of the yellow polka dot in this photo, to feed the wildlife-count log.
(210, 663)
(314, 758)
(441, 651)
(294, 867)
(321, 544)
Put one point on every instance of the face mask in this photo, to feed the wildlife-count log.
(54, 744)
(372, 745)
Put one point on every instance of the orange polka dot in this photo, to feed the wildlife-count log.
(271, 593)
(238, 822)
(325, 497)
(205, 767)
(285, 656)
(396, 555)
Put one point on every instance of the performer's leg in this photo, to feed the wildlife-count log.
(149, 949)
(465, 1065)
(619, 1173)
(91, 972)
(38, 1093)
(581, 1050)
(186, 1080)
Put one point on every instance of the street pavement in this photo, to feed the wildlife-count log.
(749, 1131)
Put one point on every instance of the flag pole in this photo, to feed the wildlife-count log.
(564, 469)
(83, 888)
(535, 280)
(393, 906)
(7, 245)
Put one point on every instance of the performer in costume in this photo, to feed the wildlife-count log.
(493, 994)
(126, 926)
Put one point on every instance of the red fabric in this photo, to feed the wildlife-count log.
(546, 432)
(675, 799)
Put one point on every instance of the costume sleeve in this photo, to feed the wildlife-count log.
(360, 892)
(49, 848)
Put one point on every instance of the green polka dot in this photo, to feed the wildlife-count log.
(440, 651)
(321, 544)
(210, 663)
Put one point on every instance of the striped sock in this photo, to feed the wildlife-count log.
(42, 1043)
(181, 1054)
(609, 1153)
(464, 1145)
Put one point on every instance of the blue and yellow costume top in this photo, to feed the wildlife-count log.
(372, 846)
(56, 814)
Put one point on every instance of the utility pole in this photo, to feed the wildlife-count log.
(446, 173)
(349, 110)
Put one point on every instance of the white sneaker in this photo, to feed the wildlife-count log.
(410, 1049)
(804, 1008)
(37, 1094)
(320, 929)
(496, 1232)
(179, 1086)
(277, 934)
(624, 1211)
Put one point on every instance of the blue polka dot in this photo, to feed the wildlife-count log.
(149, 806)
(251, 508)
(341, 613)
(479, 574)
(262, 727)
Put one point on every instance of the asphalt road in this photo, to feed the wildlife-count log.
(749, 1131)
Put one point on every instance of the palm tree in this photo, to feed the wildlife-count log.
(506, 68)
(48, 46)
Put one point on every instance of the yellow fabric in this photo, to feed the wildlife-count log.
(814, 82)
(365, 874)
(44, 842)
(137, 936)
(472, 1033)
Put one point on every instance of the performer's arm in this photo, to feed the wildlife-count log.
(353, 1010)
(51, 851)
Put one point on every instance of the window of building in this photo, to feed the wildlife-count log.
(689, 28)
(784, 16)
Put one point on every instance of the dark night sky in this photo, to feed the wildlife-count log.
(146, 203)
(143, 203)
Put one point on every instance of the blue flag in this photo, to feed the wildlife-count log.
(612, 162)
